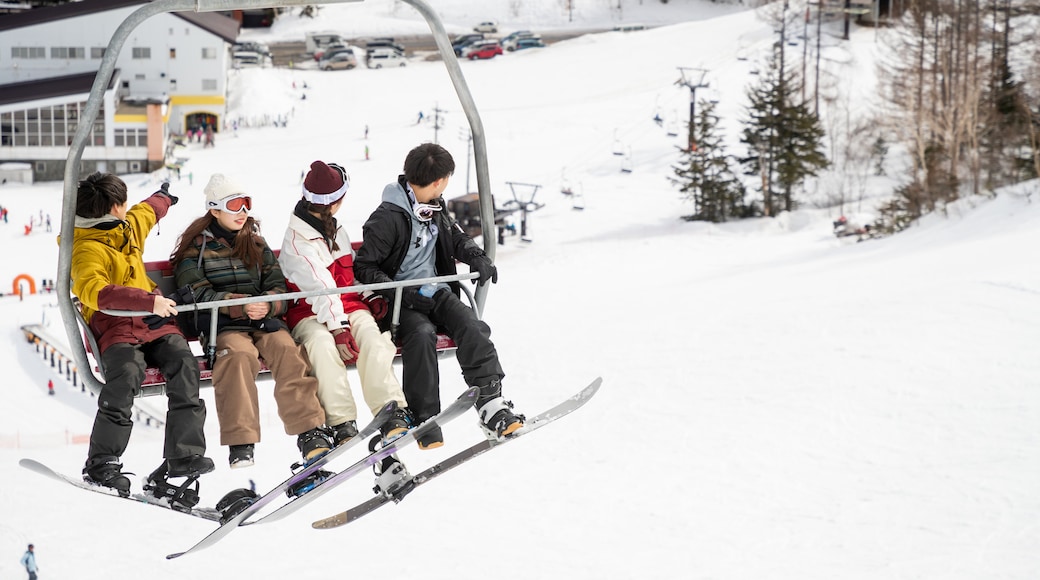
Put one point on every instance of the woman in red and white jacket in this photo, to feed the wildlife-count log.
(336, 329)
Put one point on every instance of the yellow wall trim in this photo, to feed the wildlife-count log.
(184, 100)
(130, 118)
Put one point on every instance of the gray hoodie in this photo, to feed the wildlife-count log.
(420, 260)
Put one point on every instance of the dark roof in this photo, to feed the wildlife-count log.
(218, 24)
(51, 87)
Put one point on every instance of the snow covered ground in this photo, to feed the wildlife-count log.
(776, 403)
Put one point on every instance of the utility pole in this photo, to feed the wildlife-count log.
(436, 120)
(687, 79)
(467, 136)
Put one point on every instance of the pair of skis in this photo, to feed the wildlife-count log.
(395, 494)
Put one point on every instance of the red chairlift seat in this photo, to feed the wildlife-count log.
(161, 272)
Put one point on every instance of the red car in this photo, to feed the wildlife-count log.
(483, 49)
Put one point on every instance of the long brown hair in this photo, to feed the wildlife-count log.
(248, 244)
(328, 222)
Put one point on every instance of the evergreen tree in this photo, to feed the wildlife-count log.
(704, 175)
(784, 138)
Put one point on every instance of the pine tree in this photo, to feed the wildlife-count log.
(704, 173)
(784, 139)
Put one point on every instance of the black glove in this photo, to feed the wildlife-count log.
(183, 295)
(165, 190)
(487, 270)
(417, 302)
(155, 322)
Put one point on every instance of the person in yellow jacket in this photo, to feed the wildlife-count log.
(108, 273)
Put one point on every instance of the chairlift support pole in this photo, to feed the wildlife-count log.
(686, 80)
(104, 76)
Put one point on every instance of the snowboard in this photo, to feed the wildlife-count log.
(537, 422)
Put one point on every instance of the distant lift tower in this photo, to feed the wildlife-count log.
(693, 79)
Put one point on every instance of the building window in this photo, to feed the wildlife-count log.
(46, 126)
(209, 84)
(173, 53)
(131, 137)
(67, 52)
(173, 84)
(28, 52)
(138, 77)
(135, 167)
(41, 166)
(142, 52)
(209, 53)
(97, 52)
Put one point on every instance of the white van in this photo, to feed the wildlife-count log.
(385, 58)
(319, 40)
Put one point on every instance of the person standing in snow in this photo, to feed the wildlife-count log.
(108, 273)
(338, 328)
(222, 255)
(408, 237)
(29, 562)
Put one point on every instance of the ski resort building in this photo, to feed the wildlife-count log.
(171, 77)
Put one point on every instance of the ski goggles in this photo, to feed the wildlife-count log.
(234, 204)
(425, 211)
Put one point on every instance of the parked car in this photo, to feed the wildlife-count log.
(321, 52)
(341, 60)
(246, 59)
(486, 26)
(528, 43)
(384, 43)
(383, 59)
(464, 40)
(257, 47)
(482, 49)
(509, 42)
(318, 40)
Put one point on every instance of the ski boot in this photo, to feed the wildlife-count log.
(106, 471)
(181, 497)
(234, 502)
(497, 418)
(392, 477)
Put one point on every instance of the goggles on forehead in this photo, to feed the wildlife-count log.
(236, 204)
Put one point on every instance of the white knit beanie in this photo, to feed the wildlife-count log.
(221, 187)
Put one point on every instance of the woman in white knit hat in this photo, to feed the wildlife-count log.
(222, 255)
(337, 329)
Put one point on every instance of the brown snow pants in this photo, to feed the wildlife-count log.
(234, 385)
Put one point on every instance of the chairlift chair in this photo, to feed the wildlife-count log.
(67, 306)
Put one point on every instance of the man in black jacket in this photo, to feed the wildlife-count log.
(409, 237)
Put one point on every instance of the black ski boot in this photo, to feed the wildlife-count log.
(397, 425)
(106, 471)
(234, 502)
(496, 414)
(313, 443)
(190, 466)
(181, 497)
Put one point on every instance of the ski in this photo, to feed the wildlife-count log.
(536, 422)
(458, 407)
(203, 512)
(228, 525)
